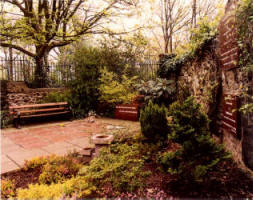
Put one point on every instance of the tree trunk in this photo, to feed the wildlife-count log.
(166, 48)
(171, 43)
(194, 13)
(10, 64)
(40, 74)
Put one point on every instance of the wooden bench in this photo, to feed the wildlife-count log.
(38, 110)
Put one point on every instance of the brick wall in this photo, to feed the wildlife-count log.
(229, 50)
(233, 81)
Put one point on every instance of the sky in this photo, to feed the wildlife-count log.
(145, 15)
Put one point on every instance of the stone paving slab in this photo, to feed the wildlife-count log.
(18, 145)
(33, 141)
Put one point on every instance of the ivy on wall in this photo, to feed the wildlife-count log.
(201, 37)
(244, 17)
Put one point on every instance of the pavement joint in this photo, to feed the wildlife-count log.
(13, 161)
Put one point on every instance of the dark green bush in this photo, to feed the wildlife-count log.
(198, 153)
(5, 118)
(84, 92)
(154, 124)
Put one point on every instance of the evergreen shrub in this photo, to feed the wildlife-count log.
(154, 124)
(198, 154)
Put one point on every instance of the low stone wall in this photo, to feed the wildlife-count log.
(18, 93)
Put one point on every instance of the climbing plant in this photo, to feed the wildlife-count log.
(244, 17)
(200, 37)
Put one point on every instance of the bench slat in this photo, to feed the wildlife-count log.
(41, 115)
(39, 105)
(40, 110)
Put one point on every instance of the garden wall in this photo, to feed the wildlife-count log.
(202, 77)
(17, 93)
(216, 80)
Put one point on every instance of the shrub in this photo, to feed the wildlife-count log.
(74, 186)
(58, 169)
(84, 92)
(54, 168)
(154, 124)
(113, 90)
(160, 91)
(7, 189)
(198, 153)
(5, 118)
(35, 162)
(119, 166)
(56, 97)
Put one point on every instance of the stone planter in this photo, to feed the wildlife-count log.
(100, 141)
(87, 151)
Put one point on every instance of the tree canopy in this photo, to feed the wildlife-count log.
(45, 24)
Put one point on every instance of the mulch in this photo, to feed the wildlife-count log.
(229, 181)
(22, 178)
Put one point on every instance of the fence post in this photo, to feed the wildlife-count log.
(11, 64)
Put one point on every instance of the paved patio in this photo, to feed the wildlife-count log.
(18, 145)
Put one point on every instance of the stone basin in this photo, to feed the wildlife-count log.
(102, 139)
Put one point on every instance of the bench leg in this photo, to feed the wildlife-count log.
(17, 122)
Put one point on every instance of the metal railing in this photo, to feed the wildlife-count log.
(23, 70)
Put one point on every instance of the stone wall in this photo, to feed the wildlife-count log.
(17, 93)
(213, 76)
(202, 77)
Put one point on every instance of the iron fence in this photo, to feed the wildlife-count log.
(148, 69)
(23, 70)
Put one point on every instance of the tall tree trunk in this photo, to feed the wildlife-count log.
(194, 13)
(40, 74)
(166, 47)
(171, 44)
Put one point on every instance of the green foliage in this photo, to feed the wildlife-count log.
(115, 52)
(54, 168)
(200, 38)
(197, 152)
(7, 189)
(113, 90)
(56, 97)
(160, 91)
(120, 166)
(36, 162)
(77, 187)
(58, 169)
(5, 118)
(84, 92)
(154, 124)
(244, 18)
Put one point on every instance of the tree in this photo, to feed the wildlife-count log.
(47, 24)
(173, 17)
